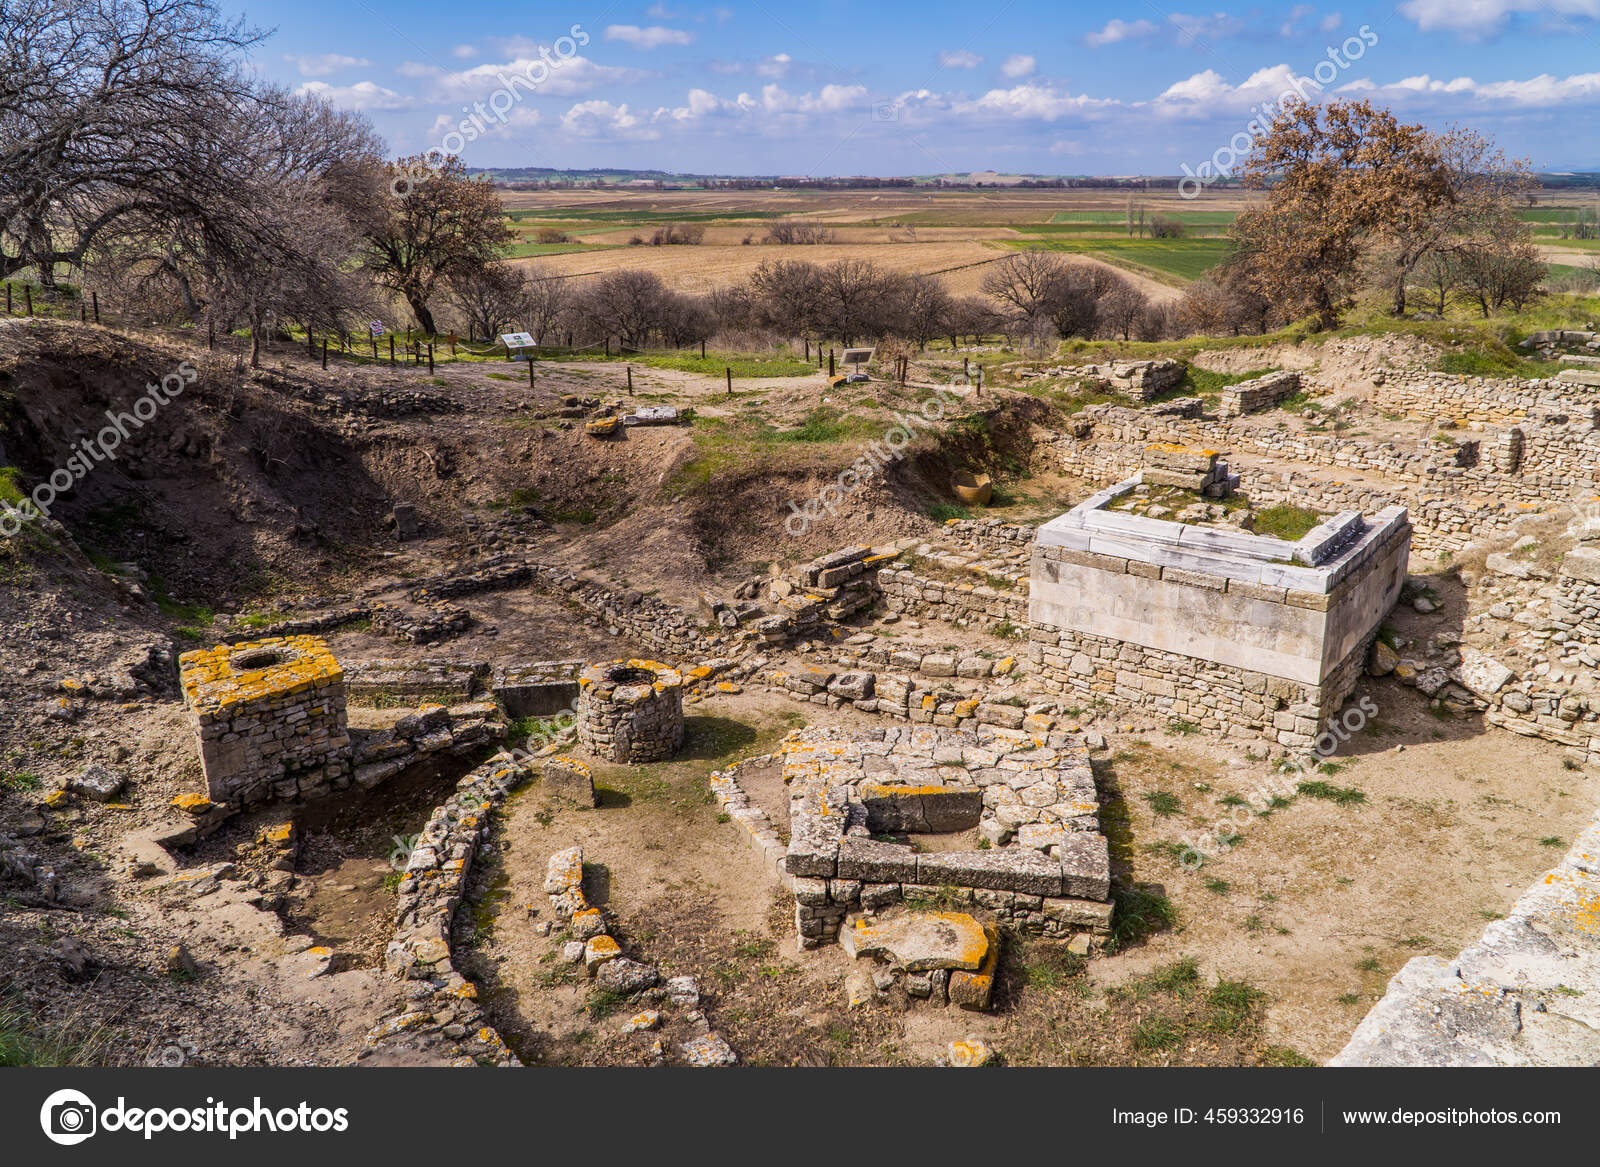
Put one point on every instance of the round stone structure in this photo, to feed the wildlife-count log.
(630, 710)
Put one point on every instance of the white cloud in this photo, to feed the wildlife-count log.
(1332, 21)
(1121, 30)
(1207, 93)
(1485, 17)
(648, 38)
(322, 64)
(464, 52)
(364, 95)
(659, 12)
(569, 78)
(1543, 91)
(1034, 102)
(959, 59)
(1206, 28)
(1018, 65)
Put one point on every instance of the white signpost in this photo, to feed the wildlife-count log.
(519, 345)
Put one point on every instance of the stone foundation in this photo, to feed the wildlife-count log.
(1221, 627)
(1042, 865)
(630, 711)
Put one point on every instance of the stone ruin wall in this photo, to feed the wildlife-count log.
(1427, 395)
(1219, 698)
(953, 603)
(1257, 394)
(1451, 504)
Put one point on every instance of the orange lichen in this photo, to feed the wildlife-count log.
(213, 682)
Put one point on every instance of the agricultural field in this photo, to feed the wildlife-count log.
(955, 234)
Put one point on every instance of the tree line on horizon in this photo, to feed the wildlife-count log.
(137, 149)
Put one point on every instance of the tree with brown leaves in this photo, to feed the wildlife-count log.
(1338, 174)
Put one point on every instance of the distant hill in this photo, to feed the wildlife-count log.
(544, 176)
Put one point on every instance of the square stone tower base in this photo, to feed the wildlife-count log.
(269, 717)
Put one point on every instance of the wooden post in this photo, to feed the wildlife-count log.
(808, 350)
(830, 362)
(430, 360)
(730, 380)
(83, 312)
(702, 350)
(608, 346)
(530, 372)
(95, 296)
(374, 348)
(391, 348)
(965, 371)
(324, 352)
(630, 380)
(27, 294)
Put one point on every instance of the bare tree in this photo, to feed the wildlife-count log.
(1025, 281)
(849, 292)
(431, 222)
(1500, 264)
(100, 101)
(924, 310)
(787, 296)
(274, 240)
(490, 297)
(796, 232)
(546, 305)
(627, 304)
(1121, 308)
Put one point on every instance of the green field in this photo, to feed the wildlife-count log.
(1174, 261)
(524, 249)
(1120, 218)
(558, 215)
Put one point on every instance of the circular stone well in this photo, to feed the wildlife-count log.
(630, 710)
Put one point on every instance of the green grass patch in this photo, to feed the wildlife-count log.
(26, 1041)
(1164, 803)
(1136, 913)
(714, 363)
(21, 780)
(1285, 521)
(11, 486)
(1157, 1033)
(1231, 1004)
(1338, 795)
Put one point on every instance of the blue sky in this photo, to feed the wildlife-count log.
(898, 88)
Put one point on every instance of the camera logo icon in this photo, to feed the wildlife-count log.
(68, 1117)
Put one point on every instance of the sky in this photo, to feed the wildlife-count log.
(1014, 86)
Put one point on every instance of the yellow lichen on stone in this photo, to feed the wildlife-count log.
(218, 679)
